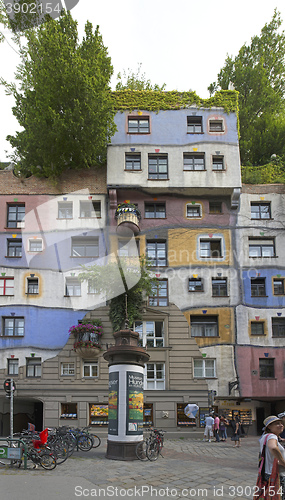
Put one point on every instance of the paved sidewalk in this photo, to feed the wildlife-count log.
(188, 469)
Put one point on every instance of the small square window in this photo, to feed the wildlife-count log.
(216, 126)
(218, 163)
(155, 211)
(260, 247)
(195, 285)
(72, 287)
(219, 287)
(65, 210)
(260, 211)
(211, 249)
(215, 207)
(193, 211)
(13, 327)
(33, 286)
(85, 247)
(193, 161)
(278, 285)
(90, 370)
(257, 328)
(138, 125)
(90, 209)
(204, 326)
(14, 247)
(133, 162)
(194, 125)
(6, 286)
(204, 368)
(67, 369)
(258, 287)
(35, 245)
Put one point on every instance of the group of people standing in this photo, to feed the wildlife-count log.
(217, 427)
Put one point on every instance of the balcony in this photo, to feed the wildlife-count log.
(127, 216)
(87, 341)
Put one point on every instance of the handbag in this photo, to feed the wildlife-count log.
(267, 489)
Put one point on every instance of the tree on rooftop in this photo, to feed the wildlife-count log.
(63, 99)
(136, 81)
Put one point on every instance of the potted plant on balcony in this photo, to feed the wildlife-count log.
(127, 216)
(87, 341)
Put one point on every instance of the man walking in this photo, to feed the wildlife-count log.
(209, 421)
(216, 428)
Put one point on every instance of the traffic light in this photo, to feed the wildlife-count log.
(9, 386)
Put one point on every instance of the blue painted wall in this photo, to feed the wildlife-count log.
(270, 300)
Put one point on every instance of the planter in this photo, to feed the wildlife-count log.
(127, 221)
(88, 352)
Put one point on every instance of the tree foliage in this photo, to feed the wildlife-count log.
(258, 74)
(136, 81)
(63, 99)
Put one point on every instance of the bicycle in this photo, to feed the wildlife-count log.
(155, 445)
(142, 446)
(96, 440)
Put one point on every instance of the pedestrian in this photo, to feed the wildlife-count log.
(237, 432)
(273, 449)
(216, 427)
(223, 430)
(282, 435)
(208, 433)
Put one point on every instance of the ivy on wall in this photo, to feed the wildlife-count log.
(264, 174)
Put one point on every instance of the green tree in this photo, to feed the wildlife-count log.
(258, 74)
(136, 81)
(63, 100)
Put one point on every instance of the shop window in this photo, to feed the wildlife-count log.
(98, 414)
(182, 419)
(68, 410)
(148, 415)
(6, 286)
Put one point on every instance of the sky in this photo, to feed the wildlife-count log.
(182, 43)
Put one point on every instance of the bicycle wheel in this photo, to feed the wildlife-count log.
(84, 442)
(152, 451)
(141, 450)
(70, 442)
(47, 461)
(96, 440)
(60, 452)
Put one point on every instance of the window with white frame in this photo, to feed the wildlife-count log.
(67, 369)
(32, 286)
(151, 333)
(155, 376)
(133, 162)
(36, 245)
(195, 285)
(204, 368)
(6, 286)
(261, 247)
(34, 367)
(13, 367)
(204, 326)
(211, 248)
(260, 210)
(72, 287)
(90, 369)
(13, 327)
(89, 209)
(65, 210)
(85, 247)
(193, 211)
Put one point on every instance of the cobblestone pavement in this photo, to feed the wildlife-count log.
(188, 469)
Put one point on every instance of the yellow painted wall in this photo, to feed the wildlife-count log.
(225, 322)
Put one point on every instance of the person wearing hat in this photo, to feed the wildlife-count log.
(282, 435)
(273, 427)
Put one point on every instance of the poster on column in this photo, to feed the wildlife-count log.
(113, 403)
(134, 403)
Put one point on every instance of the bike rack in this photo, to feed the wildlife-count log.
(19, 441)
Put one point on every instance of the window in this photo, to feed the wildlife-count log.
(159, 295)
(35, 245)
(85, 247)
(90, 369)
(72, 288)
(215, 207)
(6, 286)
(151, 333)
(65, 210)
(278, 327)
(89, 209)
(155, 211)
(156, 252)
(193, 211)
(257, 328)
(257, 287)
(260, 211)
(13, 327)
(216, 126)
(68, 410)
(15, 215)
(204, 326)
(266, 368)
(34, 367)
(195, 285)
(278, 286)
(259, 247)
(67, 369)
(194, 125)
(155, 376)
(33, 285)
(133, 162)
(128, 248)
(204, 368)
(92, 287)
(218, 163)
(13, 367)
(219, 287)
(210, 248)
(14, 247)
(193, 161)
(138, 125)
(157, 167)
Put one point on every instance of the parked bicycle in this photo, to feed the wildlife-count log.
(150, 448)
